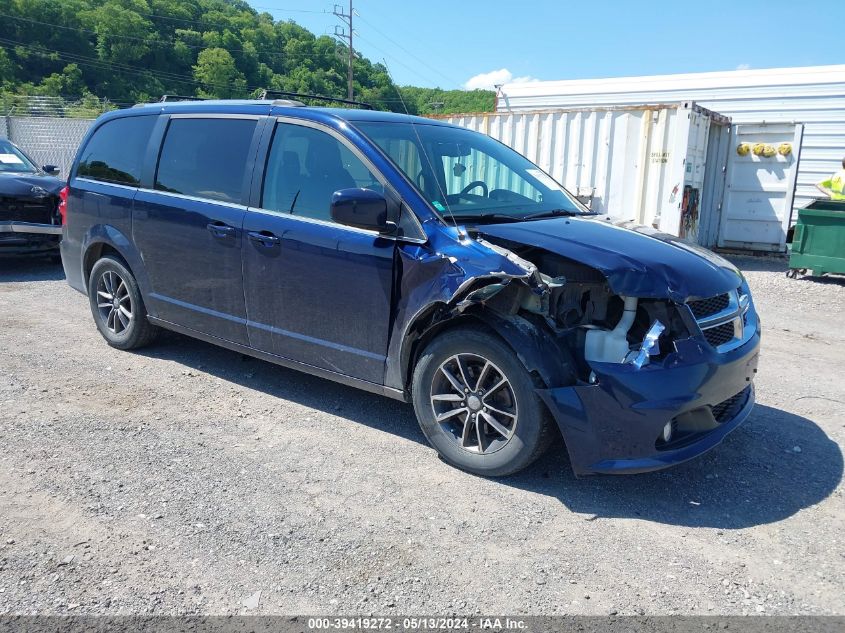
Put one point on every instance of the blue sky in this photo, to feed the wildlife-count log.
(447, 43)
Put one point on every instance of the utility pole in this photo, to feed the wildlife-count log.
(345, 33)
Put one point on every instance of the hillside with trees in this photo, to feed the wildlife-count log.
(130, 51)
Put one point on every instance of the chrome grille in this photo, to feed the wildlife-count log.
(720, 334)
(722, 319)
(703, 308)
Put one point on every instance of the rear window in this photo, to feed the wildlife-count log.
(205, 158)
(116, 151)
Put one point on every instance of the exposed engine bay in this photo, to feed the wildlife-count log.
(567, 294)
(577, 305)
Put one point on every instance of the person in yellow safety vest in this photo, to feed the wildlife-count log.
(834, 187)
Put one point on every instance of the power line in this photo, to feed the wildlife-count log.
(337, 11)
(342, 34)
(184, 79)
(124, 68)
(168, 43)
(219, 24)
(104, 65)
(88, 61)
(251, 6)
(398, 61)
(287, 10)
(135, 70)
(405, 50)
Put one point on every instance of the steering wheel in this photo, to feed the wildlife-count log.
(473, 185)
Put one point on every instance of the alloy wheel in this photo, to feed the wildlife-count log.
(114, 302)
(474, 402)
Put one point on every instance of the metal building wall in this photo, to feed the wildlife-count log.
(812, 95)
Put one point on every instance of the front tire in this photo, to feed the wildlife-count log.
(477, 405)
(117, 305)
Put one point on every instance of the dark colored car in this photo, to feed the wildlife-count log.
(30, 219)
(418, 260)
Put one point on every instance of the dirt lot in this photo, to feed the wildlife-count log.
(189, 479)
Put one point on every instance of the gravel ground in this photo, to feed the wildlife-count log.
(188, 479)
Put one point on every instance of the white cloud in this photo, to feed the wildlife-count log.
(743, 67)
(488, 81)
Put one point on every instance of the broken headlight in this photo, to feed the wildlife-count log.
(649, 346)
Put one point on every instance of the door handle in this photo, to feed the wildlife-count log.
(218, 229)
(264, 238)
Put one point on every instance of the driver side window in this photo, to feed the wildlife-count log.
(305, 167)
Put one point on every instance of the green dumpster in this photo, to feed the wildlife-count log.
(818, 243)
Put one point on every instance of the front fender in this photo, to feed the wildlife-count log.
(542, 354)
(429, 281)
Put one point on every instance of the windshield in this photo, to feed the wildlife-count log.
(469, 174)
(14, 160)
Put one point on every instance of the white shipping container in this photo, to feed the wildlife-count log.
(645, 163)
(813, 96)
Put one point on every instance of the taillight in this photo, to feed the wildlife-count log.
(63, 204)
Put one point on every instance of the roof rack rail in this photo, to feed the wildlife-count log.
(167, 98)
(298, 95)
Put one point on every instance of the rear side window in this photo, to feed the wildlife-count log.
(205, 158)
(116, 151)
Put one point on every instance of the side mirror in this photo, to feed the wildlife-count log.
(51, 169)
(361, 208)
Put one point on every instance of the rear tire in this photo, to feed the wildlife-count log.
(117, 305)
(476, 404)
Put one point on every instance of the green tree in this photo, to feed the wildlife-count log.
(67, 84)
(216, 71)
(123, 35)
(88, 107)
(136, 50)
(7, 70)
(437, 101)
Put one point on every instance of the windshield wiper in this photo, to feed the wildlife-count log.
(554, 213)
(480, 217)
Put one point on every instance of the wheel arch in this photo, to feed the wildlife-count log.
(94, 253)
(423, 330)
(530, 342)
(105, 239)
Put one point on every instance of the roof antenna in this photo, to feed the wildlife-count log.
(461, 234)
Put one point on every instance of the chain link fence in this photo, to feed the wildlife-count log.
(47, 140)
(49, 129)
(89, 107)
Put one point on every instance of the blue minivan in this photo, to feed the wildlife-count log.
(417, 260)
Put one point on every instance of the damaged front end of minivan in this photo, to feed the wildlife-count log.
(623, 347)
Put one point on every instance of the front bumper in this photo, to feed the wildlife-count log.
(614, 425)
(28, 237)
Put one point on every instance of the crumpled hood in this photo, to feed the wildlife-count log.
(20, 185)
(638, 261)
